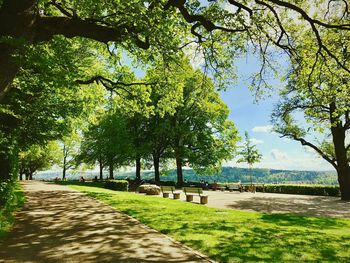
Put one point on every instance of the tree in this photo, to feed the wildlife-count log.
(320, 91)
(201, 135)
(249, 154)
(107, 142)
(70, 150)
(44, 97)
(37, 158)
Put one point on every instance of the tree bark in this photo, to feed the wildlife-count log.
(5, 167)
(21, 176)
(343, 167)
(111, 175)
(101, 169)
(156, 160)
(9, 68)
(138, 169)
(30, 176)
(180, 180)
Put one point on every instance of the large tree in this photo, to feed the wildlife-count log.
(201, 135)
(320, 91)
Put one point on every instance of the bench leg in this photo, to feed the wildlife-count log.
(204, 200)
(176, 195)
(189, 198)
(166, 195)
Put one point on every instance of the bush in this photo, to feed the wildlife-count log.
(6, 192)
(117, 185)
(325, 190)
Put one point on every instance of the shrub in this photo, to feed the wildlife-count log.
(117, 185)
(6, 192)
(325, 190)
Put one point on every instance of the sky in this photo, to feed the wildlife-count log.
(254, 117)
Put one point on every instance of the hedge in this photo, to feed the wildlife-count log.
(118, 185)
(325, 190)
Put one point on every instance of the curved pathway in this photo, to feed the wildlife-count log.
(58, 224)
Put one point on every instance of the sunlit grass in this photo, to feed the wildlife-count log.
(7, 214)
(236, 236)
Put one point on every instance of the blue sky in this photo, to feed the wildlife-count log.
(254, 117)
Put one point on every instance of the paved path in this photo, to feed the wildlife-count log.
(325, 206)
(58, 224)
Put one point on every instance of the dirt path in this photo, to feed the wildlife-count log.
(58, 224)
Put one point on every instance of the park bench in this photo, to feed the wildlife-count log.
(166, 190)
(221, 187)
(238, 187)
(191, 191)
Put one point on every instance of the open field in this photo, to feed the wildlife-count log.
(236, 236)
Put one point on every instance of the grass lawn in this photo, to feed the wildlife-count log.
(236, 236)
(7, 217)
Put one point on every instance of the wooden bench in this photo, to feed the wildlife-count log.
(221, 188)
(166, 190)
(191, 191)
(232, 187)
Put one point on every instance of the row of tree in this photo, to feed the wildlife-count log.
(184, 120)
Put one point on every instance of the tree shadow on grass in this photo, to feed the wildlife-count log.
(311, 205)
(69, 227)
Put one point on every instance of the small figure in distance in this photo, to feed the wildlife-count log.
(82, 179)
(95, 179)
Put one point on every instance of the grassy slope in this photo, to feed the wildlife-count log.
(236, 236)
(7, 217)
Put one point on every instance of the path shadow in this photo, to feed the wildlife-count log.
(310, 206)
(63, 226)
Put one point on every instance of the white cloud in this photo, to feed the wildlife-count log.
(264, 129)
(278, 155)
(256, 141)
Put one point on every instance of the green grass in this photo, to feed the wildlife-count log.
(236, 236)
(7, 214)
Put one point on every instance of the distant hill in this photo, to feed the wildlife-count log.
(228, 174)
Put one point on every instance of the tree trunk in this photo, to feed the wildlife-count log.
(179, 173)
(138, 169)
(30, 176)
(156, 169)
(9, 68)
(5, 167)
(101, 169)
(344, 183)
(64, 172)
(64, 163)
(343, 168)
(111, 176)
(21, 176)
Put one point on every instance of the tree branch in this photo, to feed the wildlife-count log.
(318, 150)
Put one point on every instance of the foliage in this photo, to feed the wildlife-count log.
(117, 185)
(234, 175)
(249, 153)
(236, 236)
(6, 192)
(301, 189)
(12, 205)
(107, 141)
(37, 158)
(319, 90)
